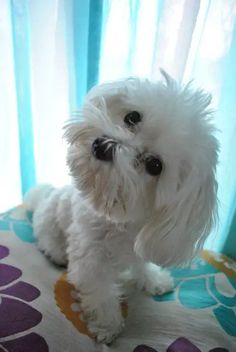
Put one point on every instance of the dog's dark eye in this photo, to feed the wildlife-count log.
(153, 165)
(132, 118)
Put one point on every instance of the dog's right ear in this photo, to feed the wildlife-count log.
(76, 129)
(71, 131)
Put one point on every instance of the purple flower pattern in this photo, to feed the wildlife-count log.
(16, 315)
(180, 345)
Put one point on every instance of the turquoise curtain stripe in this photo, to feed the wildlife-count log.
(228, 135)
(80, 13)
(230, 243)
(87, 28)
(21, 50)
(94, 41)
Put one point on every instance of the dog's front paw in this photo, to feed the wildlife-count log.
(158, 283)
(56, 255)
(105, 334)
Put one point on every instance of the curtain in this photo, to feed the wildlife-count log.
(52, 52)
(46, 67)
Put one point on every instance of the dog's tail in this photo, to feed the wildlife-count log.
(33, 198)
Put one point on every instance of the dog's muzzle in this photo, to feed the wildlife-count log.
(103, 148)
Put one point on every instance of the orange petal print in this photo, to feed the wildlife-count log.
(220, 262)
(67, 304)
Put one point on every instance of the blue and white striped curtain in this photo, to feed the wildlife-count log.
(52, 52)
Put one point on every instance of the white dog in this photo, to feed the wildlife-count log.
(143, 157)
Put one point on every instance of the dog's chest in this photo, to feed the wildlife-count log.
(119, 246)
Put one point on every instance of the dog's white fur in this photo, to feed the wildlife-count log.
(116, 216)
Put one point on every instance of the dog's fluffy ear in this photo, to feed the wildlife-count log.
(186, 202)
(71, 130)
(176, 231)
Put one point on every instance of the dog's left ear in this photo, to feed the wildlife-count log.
(186, 198)
(177, 229)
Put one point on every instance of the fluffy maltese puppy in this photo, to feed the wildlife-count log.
(143, 157)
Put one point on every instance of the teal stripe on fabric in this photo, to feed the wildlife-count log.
(94, 41)
(21, 50)
(87, 28)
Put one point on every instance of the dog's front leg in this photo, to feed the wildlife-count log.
(90, 271)
(152, 278)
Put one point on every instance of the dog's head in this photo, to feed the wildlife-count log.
(145, 152)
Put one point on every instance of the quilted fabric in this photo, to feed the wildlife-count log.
(39, 312)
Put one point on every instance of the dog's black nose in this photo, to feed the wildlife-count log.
(103, 148)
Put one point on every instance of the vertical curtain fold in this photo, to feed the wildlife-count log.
(134, 6)
(86, 37)
(94, 41)
(10, 176)
(22, 64)
(227, 172)
(229, 246)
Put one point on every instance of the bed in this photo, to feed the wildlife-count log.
(39, 313)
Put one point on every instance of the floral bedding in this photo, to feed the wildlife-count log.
(39, 313)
